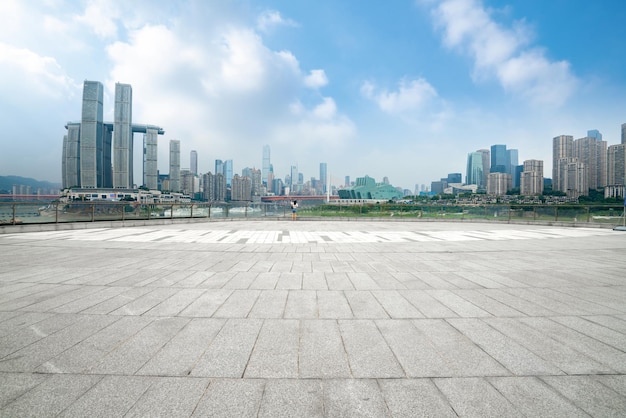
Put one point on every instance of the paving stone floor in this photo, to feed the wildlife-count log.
(313, 318)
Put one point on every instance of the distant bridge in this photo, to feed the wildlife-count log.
(270, 199)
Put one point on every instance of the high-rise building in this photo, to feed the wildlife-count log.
(616, 165)
(347, 181)
(562, 149)
(219, 167)
(512, 157)
(193, 162)
(92, 138)
(256, 183)
(486, 154)
(454, 178)
(474, 174)
(175, 165)
(150, 169)
(123, 137)
(241, 188)
(323, 176)
(293, 176)
(266, 164)
(499, 160)
(228, 171)
(592, 152)
(71, 156)
(498, 183)
(531, 181)
(594, 133)
(623, 133)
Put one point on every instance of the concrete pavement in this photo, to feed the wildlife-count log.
(313, 318)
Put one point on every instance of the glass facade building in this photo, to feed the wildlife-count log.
(92, 136)
(123, 137)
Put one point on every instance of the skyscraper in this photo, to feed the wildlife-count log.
(150, 169)
(323, 177)
(228, 171)
(71, 156)
(175, 165)
(193, 162)
(486, 154)
(474, 174)
(92, 146)
(294, 176)
(623, 133)
(219, 167)
(562, 149)
(499, 160)
(592, 152)
(266, 164)
(123, 137)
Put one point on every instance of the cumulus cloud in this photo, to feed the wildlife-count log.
(100, 16)
(503, 53)
(224, 94)
(410, 95)
(272, 18)
(26, 72)
(316, 79)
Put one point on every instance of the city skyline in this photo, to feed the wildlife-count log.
(403, 90)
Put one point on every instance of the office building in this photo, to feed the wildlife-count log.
(99, 154)
(92, 138)
(499, 160)
(266, 165)
(474, 172)
(150, 169)
(123, 137)
(531, 181)
(486, 154)
(228, 171)
(175, 165)
(193, 162)
(71, 156)
(323, 177)
(623, 133)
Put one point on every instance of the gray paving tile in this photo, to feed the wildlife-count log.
(169, 397)
(322, 353)
(231, 398)
(301, 304)
(90, 351)
(275, 353)
(228, 353)
(51, 397)
(347, 397)
(14, 385)
(292, 398)
(589, 395)
(368, 352)
(395, 305)
(533, 398)
(130, 356)
(180, 355)
(515, 357)
(414, 398)
(207, 303)
(463, 357)
(475, 397)
(111, 396)
(364, 305)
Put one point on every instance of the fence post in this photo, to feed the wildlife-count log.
(556, 213)
(588, 214)
(56, 213)
(93, 212)
(13, 210)
(534, 213)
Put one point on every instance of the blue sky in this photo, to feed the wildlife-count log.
(403, 89)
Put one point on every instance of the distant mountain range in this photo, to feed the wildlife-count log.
(7, 182)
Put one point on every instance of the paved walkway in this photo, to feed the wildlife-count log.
(281, 318)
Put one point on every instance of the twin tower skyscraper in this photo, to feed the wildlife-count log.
(99, 154)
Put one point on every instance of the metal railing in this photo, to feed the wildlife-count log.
(16, 213)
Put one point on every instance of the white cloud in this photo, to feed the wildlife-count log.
(316, 79)
(24, 72)
(411, 95)
(503, 53)
(100, 17)
(272, 18)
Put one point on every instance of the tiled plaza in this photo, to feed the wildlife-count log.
(313, 318)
